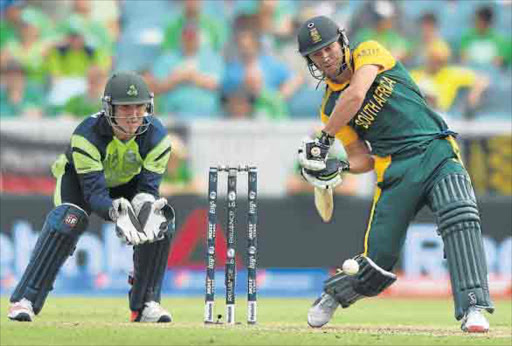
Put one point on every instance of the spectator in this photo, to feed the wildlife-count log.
(67, 65)
(10, 23)
(482, 45)
(30, 51)
(178, 178)
(88, 103)
(258, 73)
(384, 32)
(18, 98)
(429, 35)
(274, 23)
(188, 80)
(238, 105)
(241, 104)
(448, 79)
(100, 30)
(211, 32)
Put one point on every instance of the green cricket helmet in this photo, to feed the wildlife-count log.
(127, 88)
(317, 33)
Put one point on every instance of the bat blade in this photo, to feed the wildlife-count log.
(324, 203)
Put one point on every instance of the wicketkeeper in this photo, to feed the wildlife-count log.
(113, 167)
(373, 106)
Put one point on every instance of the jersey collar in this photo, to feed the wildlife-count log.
(335, 86)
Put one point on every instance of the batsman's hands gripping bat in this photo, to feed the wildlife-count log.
(324, 182)
(313, 152)
(327, 178)
(128, 227)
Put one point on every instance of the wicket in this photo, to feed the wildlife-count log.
(230, 271)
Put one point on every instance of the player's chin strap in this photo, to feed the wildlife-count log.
(369, 281)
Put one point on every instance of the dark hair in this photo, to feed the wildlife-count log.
(485, 13)
(429, 17)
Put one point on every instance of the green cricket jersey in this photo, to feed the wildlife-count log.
(394, 116)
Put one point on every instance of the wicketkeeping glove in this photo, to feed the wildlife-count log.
(329, 177)
(128, 227)
(313, 151)
(154, 215)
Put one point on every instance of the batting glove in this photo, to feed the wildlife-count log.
(313, 151)
(328, 178)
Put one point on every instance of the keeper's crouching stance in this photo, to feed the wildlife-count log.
(371, 99)
(113, 168)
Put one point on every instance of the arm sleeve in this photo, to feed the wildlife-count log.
(154, 166)
(149, 182)
(87, 161)
(95, 192)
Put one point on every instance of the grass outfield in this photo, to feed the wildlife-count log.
(377, 321)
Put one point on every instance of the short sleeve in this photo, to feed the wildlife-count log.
(372, 53)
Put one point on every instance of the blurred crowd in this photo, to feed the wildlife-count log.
(238, 58)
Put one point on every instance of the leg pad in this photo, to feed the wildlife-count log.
(368, 282)
(57, 241)
(150, 262)
(453, 201)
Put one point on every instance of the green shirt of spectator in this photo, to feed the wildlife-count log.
(82, 106)
(484, 48)
(74, 59)
(30, 102)
(95, 33)
(212, 33)
(269, 105)
(8, 33)
(390, 39)
(29, 51)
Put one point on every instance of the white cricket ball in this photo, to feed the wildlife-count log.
(350, 267)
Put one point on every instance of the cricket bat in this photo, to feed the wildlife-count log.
(324, 203)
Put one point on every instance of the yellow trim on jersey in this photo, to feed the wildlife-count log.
(85, 163)
(335, 86)
(58, 170)
(156, 160)
(455, 148)
(372, 53)
(381, 165)
(346, 135)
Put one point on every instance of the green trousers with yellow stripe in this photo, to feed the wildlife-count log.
(435, 177)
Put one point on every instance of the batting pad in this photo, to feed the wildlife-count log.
(454, 203)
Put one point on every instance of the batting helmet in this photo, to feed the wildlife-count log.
(317, 33)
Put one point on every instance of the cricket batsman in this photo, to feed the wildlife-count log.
(373, 106)
(113, 167)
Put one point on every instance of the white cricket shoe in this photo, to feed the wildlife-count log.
(474, 321)
(21, 311)
(152, 312)
(322, 310)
